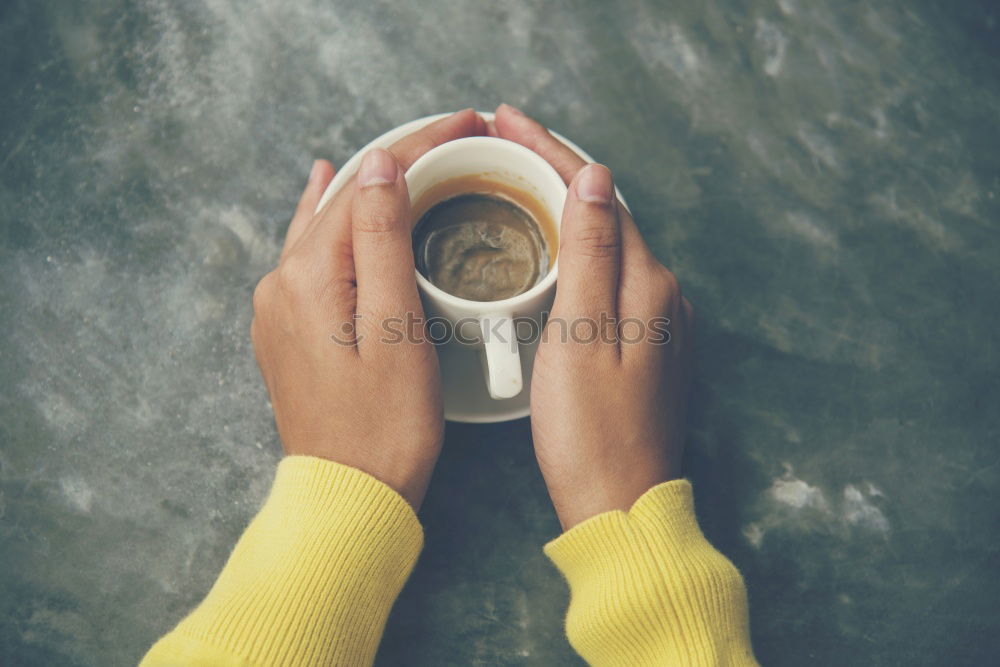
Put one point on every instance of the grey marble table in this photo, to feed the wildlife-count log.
(822, 175)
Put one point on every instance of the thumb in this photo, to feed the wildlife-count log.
(383, 251)
(590, 246)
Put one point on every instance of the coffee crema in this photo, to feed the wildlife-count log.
(481, 239)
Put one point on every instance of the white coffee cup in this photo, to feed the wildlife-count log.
(520, 168)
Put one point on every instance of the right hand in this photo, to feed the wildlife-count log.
(359, 400)
(607, 417)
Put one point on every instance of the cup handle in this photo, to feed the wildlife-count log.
(500, 355)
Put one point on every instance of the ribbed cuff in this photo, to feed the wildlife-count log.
(648, 589)
(594, 546)
(314, 576)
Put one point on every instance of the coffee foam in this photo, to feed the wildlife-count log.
(482, 239)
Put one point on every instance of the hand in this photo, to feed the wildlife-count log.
(607, 417)
(339, 390)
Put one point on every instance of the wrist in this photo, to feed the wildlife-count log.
(405, 468)
(597, 494)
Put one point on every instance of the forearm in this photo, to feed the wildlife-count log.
(648, 589)
(312, 579)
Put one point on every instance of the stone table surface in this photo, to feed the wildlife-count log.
(822, 175)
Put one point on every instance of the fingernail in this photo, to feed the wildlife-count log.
(514, 110)
(593, 185)
(314, 172)
(377, 168)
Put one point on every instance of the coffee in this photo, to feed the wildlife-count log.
(482, 240)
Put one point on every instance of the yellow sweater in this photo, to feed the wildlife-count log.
(313, 578)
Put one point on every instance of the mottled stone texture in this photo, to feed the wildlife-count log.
(822, 175)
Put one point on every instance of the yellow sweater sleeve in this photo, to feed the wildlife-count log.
(312, 579)
(647, 588)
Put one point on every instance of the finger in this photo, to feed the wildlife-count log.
(636, 257)
(590, 247)
(383, 252)
(319, 178)
(465, 123)
(638, 262)
(513, 125)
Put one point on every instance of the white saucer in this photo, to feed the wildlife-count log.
(465, 395)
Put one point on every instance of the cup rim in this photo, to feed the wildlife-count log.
(539, 288)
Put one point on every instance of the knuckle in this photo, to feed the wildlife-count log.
(341, 288)
(597, 242)
(413, 147)
(664, 282)
(539, 139)
(295, 274)
(662, 289)
(262, 292)
(377, 222)
(254, 332)
(424, 143)
(668, 281)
